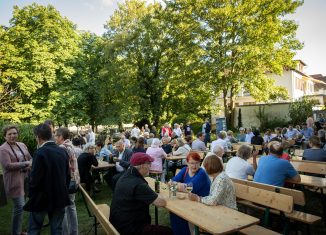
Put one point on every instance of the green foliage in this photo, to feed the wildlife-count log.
(34, 55)
(267, 122)
(301, 109)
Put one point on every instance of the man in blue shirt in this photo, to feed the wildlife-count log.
(307, 132)
(274, 170)
(292, 133)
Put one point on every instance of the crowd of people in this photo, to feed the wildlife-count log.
(59, 164)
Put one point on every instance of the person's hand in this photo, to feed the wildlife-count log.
(193, 197)
(115, 159)
(255, 153)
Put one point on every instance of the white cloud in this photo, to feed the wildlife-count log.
(109, 3)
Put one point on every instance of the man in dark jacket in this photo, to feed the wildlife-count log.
(49, 182)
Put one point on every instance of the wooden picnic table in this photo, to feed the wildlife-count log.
(213, 219)
(103, 165)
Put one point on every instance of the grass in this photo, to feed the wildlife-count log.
(85, 222)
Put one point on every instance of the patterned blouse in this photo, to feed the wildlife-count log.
(222, 192)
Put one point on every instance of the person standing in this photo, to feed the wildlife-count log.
(129, 210)
(207, 131)
(70, 221)
(48, 185)
(15, 162)
(91, 136)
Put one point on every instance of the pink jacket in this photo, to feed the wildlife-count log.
(12, 175)
(158, 154)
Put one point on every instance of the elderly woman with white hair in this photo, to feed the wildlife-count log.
(158, 154)
(238, 167)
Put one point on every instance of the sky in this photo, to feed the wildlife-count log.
(91, 15)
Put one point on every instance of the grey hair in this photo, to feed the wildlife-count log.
(218, 149)
(87, 146)
(244, 151)
(181, 142)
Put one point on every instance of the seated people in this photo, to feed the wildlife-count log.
(201, 184)
(85, 162)
(231, 138)
(249, 135)
(292, 133)
(129, 210)
(222, 191)
(104, 153)
(274, 170)
(121, 157)
(315, 153)
(220, 140)
(238, 167)
(199, 144)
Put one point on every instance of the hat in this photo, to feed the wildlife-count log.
(140, 158)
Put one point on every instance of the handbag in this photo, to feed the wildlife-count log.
(73, 187)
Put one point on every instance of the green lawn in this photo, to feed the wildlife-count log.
(85, 222)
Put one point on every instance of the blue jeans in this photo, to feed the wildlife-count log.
(70, 221)
(36, 220)
(17, 215)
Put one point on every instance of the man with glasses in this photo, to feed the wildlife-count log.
(129, 210)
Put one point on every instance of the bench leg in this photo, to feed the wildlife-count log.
(156, 215)
(196, 230)
(266, 218)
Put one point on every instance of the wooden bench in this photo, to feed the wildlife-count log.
(100, 213)
(309, 166)
(298, 199)
(268, 199)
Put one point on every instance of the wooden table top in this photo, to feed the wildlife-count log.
(180, 157)
(102, 165)
(314, 181)
(213, 219)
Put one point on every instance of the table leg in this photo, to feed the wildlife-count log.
(156, 216)
(323, 203)
(196, 230)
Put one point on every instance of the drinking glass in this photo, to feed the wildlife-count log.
(189, 187)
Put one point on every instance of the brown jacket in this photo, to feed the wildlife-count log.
(12, 170)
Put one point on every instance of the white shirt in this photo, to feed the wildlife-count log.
(126, 142)
(117, 164)
(135, 132)
(248, 137)
(177, 131)
(91, 137)
(220, 142)
(239, 168)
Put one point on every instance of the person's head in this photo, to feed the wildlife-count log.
(201, 136)
(151, 135)
(222, 135)
(218, 150)
(290, 127)
(241, 130)
(119, 145)
(181, 142)
(42, 133)
(268, 132)
(193, 161)
(61, 134)
(99, 145)
(10, 133)
(256, 132)
(229, 134)
(50, 123)
(133, 139)
(146, 135)
(90, 130)
(146, 125)
(140, 142)
(278, 130)
(314, 141)
(166, 140)
(122, 137)
(188, 139)
(212, 164)
(275, 148)
(244, 151)
(285, 145)
(156, 143)
(90, 148)
(249, 130)
(142, 162)
(166, 125)
(321, 133)
(76, 141)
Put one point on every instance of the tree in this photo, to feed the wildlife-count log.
(142, 63)
(301, 109)
(242, 41)
(35, 53)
